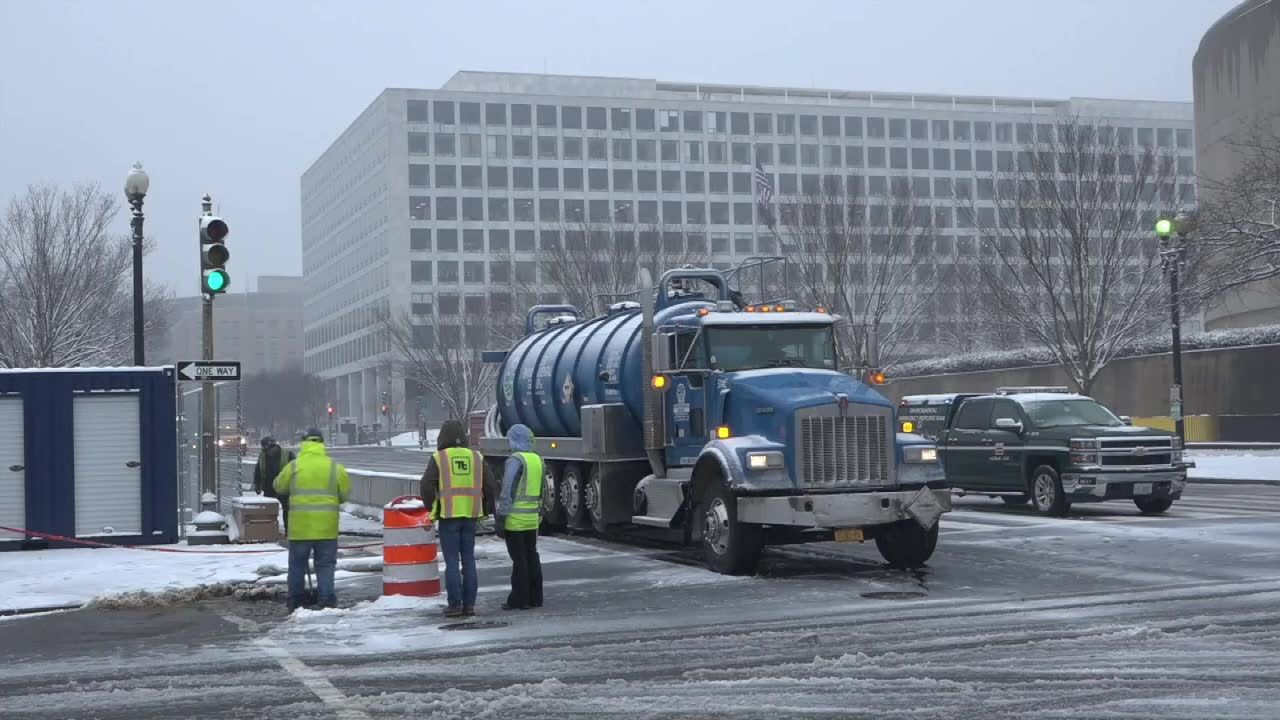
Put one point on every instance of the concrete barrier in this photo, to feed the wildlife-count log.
(376, 489)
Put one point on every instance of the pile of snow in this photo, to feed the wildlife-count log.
(1235, 465)
(47, 578)
(410, 439)
(1033, 356)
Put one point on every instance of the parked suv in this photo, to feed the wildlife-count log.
(1049, 446)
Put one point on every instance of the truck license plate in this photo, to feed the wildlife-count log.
(849, 535)
(1142, 488)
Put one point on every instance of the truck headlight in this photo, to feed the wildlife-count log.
(764, 460)
(920, 454)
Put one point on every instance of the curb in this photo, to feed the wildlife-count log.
(1231, 481)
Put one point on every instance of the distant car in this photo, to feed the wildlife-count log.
(233, 441)
(1049, 446)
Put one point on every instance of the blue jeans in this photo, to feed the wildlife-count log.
(326, 558)
(458, 543)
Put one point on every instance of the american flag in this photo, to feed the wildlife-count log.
(764, 194)
(764, 186)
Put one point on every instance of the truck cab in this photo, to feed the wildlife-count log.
(1048, 446)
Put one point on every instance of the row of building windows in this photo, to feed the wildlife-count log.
(699, 212)
(626, 119)
(696, 152)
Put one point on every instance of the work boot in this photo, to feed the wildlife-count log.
(453, 612)
(469, 612)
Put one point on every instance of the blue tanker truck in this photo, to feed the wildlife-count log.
(728, 424)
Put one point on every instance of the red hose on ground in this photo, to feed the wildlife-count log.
(95, 543)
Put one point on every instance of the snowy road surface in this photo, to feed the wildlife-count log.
(1105, 614)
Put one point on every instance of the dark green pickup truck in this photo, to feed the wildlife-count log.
(1048, 446)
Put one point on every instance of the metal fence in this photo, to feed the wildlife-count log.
(233, 446)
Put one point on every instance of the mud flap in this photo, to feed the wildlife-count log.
(925, 508)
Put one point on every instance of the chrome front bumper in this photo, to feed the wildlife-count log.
(1104, 485)
(847, 510)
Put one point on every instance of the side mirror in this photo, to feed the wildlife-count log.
(1009, 424)
(1126, 419)
(661, 351)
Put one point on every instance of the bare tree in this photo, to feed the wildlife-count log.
(868, 258)
(1068, 223)
(968, 319)
(594, 263)
(64, 278)
(1238, 234)
(444, 358)
(285, 401)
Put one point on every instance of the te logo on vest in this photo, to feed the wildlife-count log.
(461, 465)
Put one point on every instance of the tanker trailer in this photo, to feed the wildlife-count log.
(729, 425)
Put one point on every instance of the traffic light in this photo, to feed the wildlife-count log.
(213, 255)
(386, 402)
(330, 411)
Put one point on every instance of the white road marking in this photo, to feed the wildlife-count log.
(311, 679)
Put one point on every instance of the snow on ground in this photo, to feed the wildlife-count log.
(44, 578)
(1235, 465)
(410, 439)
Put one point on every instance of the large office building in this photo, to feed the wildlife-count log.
(422, 203)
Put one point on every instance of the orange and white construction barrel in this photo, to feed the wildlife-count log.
(409, 549)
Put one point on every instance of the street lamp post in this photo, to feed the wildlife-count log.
(1173, 249)
(135, 190)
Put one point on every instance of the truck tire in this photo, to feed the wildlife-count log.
(552, 508)
(728, 546)
(593, 498)
(1013, 500)
(905, 545)
(571, 497)
(1153, 505)
(1046, 492)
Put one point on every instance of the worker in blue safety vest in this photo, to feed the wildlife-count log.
(518, 516)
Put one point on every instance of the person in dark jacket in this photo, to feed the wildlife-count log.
(458, 498)
(271, 461)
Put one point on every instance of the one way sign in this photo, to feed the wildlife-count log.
(220, 370)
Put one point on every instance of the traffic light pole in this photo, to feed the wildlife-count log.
(209, 523)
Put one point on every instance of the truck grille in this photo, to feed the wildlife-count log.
(1137, 452)
(843, 450)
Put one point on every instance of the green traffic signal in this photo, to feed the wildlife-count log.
(1164, 227)
(216, 281)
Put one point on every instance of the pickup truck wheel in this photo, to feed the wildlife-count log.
(1014, 499)
(1153, 505)
(593, 497)
(905, 545)
(1046, 492)
(729, 547)
(575, 509)
(552, 508)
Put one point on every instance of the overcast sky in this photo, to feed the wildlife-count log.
(239, 98)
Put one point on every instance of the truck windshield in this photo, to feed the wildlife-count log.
(1069, 413)
(752, 347)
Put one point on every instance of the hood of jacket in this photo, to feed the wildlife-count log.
(311, 448)
(521, 438)
(451, 435)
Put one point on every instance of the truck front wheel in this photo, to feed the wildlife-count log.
(1152, 505)
(1047, 493)
(905, 545)
(729, 547)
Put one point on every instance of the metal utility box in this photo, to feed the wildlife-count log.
(257, 519)
(88, 453)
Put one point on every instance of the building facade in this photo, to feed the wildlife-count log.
(262, 329)
(1236, 74)
(422, 204)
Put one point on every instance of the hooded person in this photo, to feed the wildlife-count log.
(316, 486)
(459, 489)
(517, 518)
(271, 461)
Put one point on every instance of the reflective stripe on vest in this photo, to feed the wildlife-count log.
(461, 489)
(527, 503)
(319, 499)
